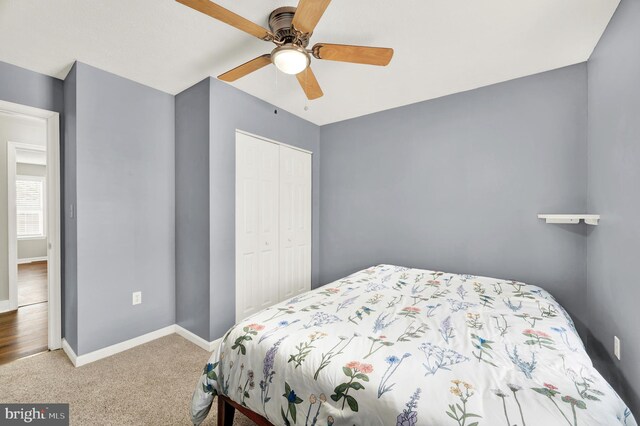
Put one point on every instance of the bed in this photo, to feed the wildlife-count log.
(391, 345)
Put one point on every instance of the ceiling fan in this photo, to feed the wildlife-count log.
(290, 30)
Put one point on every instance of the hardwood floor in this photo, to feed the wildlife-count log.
(24, 332)
(32, 283)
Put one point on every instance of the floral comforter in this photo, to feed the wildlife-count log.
(396, 346)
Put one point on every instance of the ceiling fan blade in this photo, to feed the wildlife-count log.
(308, 14)
(357, 54)
(228, 17)
(309, 84)
(246, 68)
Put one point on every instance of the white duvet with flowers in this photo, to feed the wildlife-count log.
(396, 346)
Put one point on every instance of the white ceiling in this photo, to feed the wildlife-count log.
(441, 47)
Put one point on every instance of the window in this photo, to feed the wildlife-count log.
(30, 207)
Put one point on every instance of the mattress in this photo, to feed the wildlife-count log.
(391, 345)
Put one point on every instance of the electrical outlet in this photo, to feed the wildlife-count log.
(616, 347)
(137, 297)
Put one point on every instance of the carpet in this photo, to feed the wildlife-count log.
(150, 384)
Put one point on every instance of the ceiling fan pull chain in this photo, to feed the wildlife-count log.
(306, 80)
(276, 71)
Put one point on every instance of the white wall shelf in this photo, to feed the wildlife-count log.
(589, 219)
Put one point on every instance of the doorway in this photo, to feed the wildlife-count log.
(30, 295)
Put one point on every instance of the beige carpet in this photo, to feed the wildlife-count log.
(147, 385)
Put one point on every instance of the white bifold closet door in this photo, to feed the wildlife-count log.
(257, 238)
(273, 223)
(295, 222)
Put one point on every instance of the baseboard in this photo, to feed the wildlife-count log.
(122, 346)
(66, 347)
(195, 339)
(80, 360)
(5, 306)
(32, 259)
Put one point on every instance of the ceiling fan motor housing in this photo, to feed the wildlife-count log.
(283, 32)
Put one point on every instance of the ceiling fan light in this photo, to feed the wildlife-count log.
(290, 59)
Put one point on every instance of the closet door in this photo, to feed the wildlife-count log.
(257, 260)
(295, 222)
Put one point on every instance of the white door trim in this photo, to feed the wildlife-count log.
(54, 195)
(272, 141)
(54, 218)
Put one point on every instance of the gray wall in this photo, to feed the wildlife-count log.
(455, 184)
(125, 208)
(31, 248)
(192, 209)
(68, 202)
(26, 87)
(614, 173)
(232, 109)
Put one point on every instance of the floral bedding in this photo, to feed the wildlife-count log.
(396, 346)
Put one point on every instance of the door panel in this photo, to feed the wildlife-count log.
(295, 222)
(256, 225)
(287, 182)
(246, 227)
(268, 222)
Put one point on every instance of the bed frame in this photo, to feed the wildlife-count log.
(227, 409)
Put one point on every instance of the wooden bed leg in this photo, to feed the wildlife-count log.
(227, 407)
(226, 412)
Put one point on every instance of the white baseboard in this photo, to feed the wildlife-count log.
(195, 339)
(69, 351)
(32, 259)
(5, 306)
(80, 360)
(121, 347)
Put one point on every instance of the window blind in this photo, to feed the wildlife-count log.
(30, 208)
